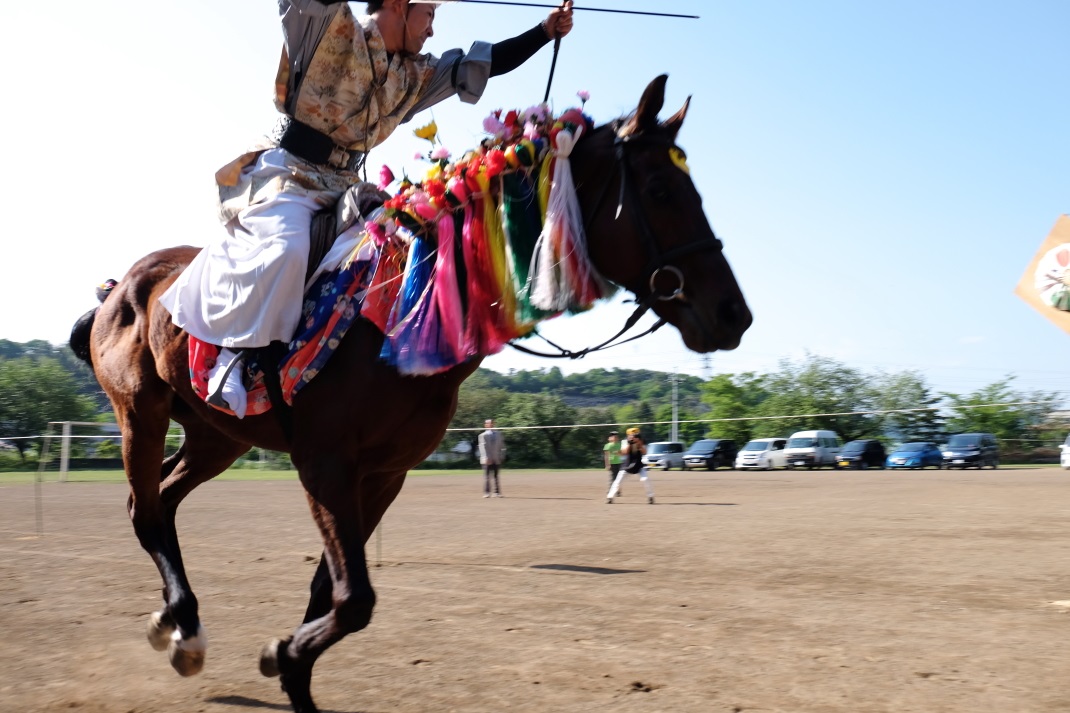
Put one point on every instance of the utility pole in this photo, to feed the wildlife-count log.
(675, 422)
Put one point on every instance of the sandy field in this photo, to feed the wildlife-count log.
(852, 592)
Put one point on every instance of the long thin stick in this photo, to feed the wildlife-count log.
(588, 9)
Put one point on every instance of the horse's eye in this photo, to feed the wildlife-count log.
(658, 189)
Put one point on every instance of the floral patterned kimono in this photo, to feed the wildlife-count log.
(245, 288)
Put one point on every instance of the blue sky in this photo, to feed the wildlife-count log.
(881, 173)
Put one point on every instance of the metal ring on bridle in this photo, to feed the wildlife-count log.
(675, 293)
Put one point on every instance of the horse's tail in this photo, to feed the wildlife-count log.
(84, 326)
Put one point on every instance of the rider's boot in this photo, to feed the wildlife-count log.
(225, 382)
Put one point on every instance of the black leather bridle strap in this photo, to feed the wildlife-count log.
(642, 308)
(658, 261)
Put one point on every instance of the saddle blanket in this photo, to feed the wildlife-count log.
(332, 303)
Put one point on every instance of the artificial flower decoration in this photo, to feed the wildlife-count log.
(494, 126)
(386, 177)
(428, 132)
(584, 95)
(484, 246)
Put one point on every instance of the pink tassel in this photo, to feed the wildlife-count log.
(442, 342)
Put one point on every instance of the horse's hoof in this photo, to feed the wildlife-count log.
(159, 631)
(269, 658)
(187, 655)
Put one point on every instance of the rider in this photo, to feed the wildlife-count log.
(344, 85)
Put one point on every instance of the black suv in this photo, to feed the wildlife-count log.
(971, 449)
(865, 453)
(711, 453)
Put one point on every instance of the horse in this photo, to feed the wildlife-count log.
(646, 232)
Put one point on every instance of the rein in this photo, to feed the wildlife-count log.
(658, 260)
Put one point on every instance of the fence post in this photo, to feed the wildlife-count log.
(64, 451)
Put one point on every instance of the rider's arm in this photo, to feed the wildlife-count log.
(507, 55)
(466, 74)
(307, 6)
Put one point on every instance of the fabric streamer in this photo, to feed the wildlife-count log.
(562, 276)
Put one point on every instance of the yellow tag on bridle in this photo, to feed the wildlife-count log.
(680, 159)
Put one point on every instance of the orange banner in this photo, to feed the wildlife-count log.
(1045, 285)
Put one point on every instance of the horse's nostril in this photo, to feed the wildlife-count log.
(733, 313)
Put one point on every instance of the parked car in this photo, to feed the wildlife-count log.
(665, 455)
(971, 449)
(864, 453)
(813, 449)
(762, 454)
(919, 454)
(1064, 459)
(711, 453)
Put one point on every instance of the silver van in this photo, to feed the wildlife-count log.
(813, 449)
(665, 455)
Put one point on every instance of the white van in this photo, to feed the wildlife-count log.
(762, 454)
(812, 449)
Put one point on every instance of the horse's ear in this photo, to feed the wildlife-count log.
(677, 120)
(646, 116)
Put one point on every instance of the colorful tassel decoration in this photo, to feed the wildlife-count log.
(562, 276)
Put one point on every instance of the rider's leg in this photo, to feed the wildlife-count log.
(257, 277)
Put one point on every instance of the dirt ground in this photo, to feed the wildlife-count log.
(849, 592)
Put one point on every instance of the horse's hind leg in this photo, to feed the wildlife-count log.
(340, 604)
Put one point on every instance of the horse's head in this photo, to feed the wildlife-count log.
(646, 228)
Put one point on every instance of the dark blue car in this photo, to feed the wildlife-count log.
(916, 455)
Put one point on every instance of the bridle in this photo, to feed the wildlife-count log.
(658, 261)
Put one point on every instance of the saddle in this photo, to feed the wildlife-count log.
(262, 365)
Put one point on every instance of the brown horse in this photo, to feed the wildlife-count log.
(645, 227)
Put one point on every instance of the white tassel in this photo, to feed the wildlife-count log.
(561, 270)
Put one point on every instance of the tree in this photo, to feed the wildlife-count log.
(819, 385)
(734, 397)
(987, 411)
(583, 446)
(532, 446)
(906, 392)
(474, 406)
(34, 392)
(637, 414)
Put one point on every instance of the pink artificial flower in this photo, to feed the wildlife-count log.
(418, 156)
(386, 177)
(440, 153)
(584, 95)
(493, 125)
(531, 132)
(538, 113)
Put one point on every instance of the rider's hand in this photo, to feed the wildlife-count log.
(559, 22)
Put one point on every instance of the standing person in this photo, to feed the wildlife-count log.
(612, 457)
(491, 456)
(633, 450)
(344, 84)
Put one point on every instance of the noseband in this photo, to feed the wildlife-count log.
(658, 261)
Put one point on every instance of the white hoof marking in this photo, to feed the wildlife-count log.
(194, 644)
(158, 633)
(269, 659)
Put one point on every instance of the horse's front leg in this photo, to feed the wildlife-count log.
(144, 426)
(176, 628)
(342, 598)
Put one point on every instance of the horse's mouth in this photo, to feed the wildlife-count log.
(702, 332)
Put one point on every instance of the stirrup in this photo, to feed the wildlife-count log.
(216, 397)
